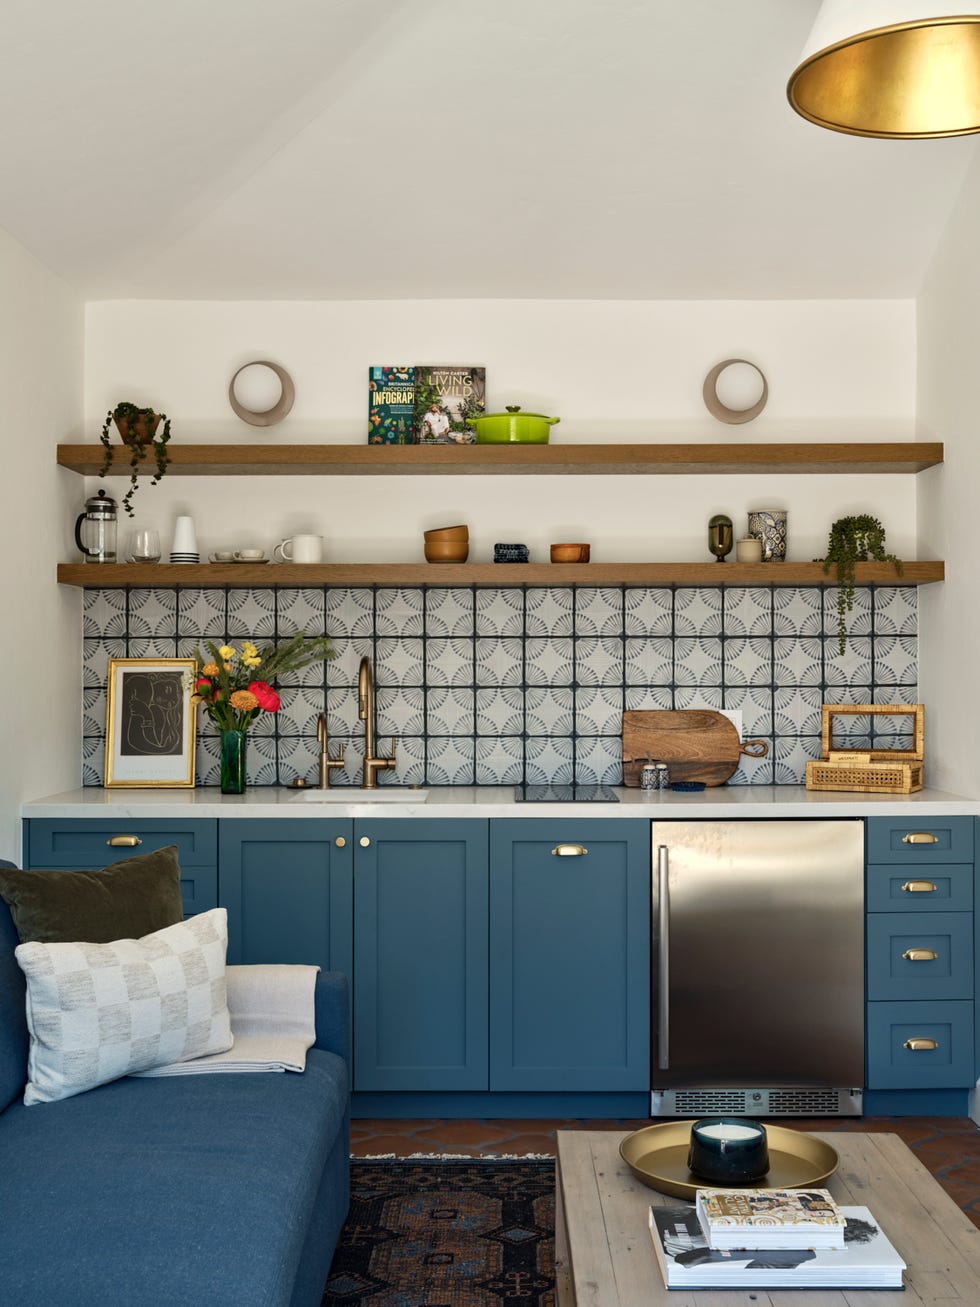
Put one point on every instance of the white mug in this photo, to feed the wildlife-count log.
(300, 549)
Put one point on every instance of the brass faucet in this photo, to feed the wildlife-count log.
(365, 711)
(327, 763)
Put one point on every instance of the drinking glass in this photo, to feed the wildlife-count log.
(144, 546)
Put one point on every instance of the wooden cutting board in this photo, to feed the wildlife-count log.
(697, 744)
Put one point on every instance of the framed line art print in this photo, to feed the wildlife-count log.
(150, 723)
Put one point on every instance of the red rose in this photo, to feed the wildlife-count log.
(269, 700)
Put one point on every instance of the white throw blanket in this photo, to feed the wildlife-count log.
(272, 1023)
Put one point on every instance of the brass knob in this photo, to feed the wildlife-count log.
(920, 837)
(124, 841)
(569, 851)
(919, 955)
(364, 841)
(340, 842)
(919, 887)
(919, 1044)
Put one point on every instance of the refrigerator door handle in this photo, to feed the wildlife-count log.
(663, 958)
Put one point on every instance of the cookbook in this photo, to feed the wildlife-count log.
(770, 1218)
(446, 396)
(867, 1261)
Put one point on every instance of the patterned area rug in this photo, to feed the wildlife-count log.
(447, 1234)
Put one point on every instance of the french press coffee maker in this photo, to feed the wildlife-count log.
(95, 529)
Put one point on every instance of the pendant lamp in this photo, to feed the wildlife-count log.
(902, 69)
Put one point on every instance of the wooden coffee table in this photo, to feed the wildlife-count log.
(604, 1255)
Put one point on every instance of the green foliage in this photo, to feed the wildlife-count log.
(854, 540)
(138, 428)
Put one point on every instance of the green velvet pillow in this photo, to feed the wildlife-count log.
(130, 899)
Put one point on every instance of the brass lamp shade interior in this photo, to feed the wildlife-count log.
(910, 80)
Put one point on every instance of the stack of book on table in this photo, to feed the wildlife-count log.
(772, 1239)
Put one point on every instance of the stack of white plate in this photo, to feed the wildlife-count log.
(185, 557)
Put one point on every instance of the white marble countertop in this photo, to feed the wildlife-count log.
(498, 801)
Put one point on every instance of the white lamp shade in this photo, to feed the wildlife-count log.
(891, 68)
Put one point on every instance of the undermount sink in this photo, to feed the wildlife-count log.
(353, 794)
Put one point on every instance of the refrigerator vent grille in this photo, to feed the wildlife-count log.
(757, 1102)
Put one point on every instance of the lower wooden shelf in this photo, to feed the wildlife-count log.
(170, 575)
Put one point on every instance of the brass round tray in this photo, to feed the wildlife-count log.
(657, 1156)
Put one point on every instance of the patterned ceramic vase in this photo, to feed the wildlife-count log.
(234, 745)
(769, 526)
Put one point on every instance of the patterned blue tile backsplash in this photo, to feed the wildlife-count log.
(498, 686)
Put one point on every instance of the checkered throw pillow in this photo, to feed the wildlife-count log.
(99, 1011)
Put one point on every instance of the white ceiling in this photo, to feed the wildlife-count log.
(379, 149)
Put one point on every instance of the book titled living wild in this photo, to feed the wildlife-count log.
(447, 396)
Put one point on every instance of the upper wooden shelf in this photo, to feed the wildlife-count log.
(454, 460)
(167, 575)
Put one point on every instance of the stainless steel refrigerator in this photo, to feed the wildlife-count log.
(758, 968)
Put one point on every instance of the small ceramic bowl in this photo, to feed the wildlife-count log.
(446, 551)
(570, 553)
(448, 533)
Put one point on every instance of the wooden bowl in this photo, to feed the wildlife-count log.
(448, 533)
(570, 553)
(446, 551)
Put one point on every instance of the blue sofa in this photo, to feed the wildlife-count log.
(226, 1190)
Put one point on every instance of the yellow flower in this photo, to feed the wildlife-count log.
(243, 700)
(252, 662)
(209, 669)
(227, 651)
(249, 649)
(227, 667)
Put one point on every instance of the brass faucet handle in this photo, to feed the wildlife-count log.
(335, 762)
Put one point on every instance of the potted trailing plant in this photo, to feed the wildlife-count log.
(854, 540)
(138, 431)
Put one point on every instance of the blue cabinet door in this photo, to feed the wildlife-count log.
(287, 888)
(570, 954)
(74, 843)
(420, 954)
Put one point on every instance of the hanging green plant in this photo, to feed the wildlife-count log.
(854, 540)
(137, 430)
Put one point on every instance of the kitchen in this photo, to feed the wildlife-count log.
(881, 355)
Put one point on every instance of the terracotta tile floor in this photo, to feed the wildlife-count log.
(949, 1147)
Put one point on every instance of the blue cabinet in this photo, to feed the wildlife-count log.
(287, 887)
(570, 954)
(920, 954)
(83, 843)
(420, 954)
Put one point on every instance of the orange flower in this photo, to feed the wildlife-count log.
(243, 700)
(209, 669)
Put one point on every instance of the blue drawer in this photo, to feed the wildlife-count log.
(71, 842)
(893, 1065)
(912, 842)
(894, 972)
(943, 888)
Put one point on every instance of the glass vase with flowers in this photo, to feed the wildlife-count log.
(234, 687)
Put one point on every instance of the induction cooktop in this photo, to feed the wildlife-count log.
(565, 794)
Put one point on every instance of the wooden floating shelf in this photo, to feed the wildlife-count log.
(182, 576)
(509, 460)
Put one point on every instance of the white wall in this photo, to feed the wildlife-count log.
(949, 407)
(41, 341)
(837, 370)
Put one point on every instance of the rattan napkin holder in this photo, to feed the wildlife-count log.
(868, 771)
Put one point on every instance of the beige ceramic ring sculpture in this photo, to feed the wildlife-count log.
(270, 416)
(721, 411)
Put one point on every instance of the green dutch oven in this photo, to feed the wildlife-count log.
(512, 427)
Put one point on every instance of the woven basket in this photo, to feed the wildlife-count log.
(865, 778)
(878, 771)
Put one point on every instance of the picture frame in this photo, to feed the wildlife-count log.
(151, 727)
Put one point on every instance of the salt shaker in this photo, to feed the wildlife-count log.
(654, 776)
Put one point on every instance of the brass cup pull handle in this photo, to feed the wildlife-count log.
(569, 851)
(919, 1044)
(919, 955)
(124, 841)
(919, 887)
(920, 837)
